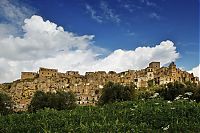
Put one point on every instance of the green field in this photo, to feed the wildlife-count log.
(134, 116)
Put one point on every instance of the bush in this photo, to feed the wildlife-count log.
(144, 94)
(5, 104)
(116, 92)
(196, 95)
(60, 100)
(171, 90)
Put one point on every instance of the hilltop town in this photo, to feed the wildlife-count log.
(87, 88)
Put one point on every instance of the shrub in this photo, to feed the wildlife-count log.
(171, 90)
(5, 104)
(60, 100)
(116, 92)
(144, 94)
(196, 95)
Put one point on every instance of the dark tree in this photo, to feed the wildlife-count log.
(116, 92)
(60, 101)
(172, 90)
(6, 104)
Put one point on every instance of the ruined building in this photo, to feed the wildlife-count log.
(87, 88)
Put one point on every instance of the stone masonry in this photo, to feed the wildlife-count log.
(87, 88)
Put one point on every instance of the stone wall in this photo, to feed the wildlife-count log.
(45, 72)
(88, 87)
(28, 75)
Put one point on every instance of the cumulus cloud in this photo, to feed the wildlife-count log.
(195, 71)
(14, 12)
(45, 44)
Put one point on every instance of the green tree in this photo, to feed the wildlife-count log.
(171, 90)
(6, 104)
(60, 101)
(116, 92)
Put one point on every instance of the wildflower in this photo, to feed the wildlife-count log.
(188, 93)
(178, 97)
(165, 128)
(155, 95)
(186, 98)
(169, 101)
(156, 103)
(172, 108)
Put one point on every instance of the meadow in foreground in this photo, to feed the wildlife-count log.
(153, 115)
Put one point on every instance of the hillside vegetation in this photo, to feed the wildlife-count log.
(153, 115)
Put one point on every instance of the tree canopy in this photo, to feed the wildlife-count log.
(116, 92)
(6, 104)
(59, 100)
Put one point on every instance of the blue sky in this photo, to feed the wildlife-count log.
(138, 23)
(102, 27)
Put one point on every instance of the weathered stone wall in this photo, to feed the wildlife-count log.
(88, 87)
(45, 72)
(28, 75)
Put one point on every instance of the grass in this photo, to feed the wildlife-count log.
(134, 116)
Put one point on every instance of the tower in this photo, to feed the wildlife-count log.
(154, 65)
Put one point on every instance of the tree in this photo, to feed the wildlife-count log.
(116, 92)
(6, 104)
(60, 101)
(171, 90)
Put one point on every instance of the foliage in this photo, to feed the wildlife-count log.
(144, 94)
(116, 92)
(6, 104)
(171, 90)
(174, 90)
(196, 95)
(150, 83)
(60, 100)
(135, 116)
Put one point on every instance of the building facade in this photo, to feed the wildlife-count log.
(88, 87)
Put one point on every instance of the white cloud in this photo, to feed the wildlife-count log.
(48, 45)
(154, 15)
(195, 71)
(14, 12)
(93, 14)
(109, 13)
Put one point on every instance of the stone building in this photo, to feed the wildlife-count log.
(88, 87)
(28, 75)
(45, 72)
